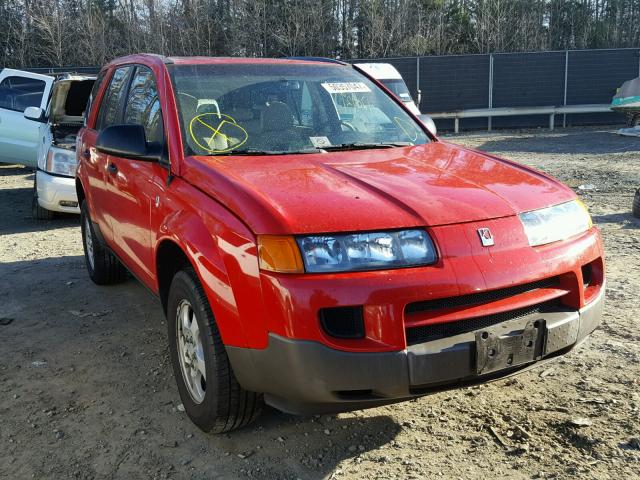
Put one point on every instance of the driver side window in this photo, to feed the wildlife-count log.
(110, 109)
(18, 93)
(143, 105)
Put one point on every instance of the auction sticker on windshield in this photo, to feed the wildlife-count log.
(346, 87)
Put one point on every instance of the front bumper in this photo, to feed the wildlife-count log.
(299, 376)
(57, 193)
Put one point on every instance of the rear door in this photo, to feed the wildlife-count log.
(20, 137)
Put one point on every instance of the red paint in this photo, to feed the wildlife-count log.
(215, 206)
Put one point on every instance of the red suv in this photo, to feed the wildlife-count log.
(314, 247)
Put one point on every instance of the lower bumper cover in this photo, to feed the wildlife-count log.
(306, 377)
(53, 189)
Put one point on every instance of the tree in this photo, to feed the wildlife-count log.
(90, 32)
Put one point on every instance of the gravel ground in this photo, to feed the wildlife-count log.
(86, 389)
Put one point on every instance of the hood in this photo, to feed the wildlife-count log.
(69, 98)
(426, 185)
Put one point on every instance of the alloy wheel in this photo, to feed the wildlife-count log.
(88, 242)
(191, 352)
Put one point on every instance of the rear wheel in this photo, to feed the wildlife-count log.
(37, 211)
(103, 267)
(210, 393)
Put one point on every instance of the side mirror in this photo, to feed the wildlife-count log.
(34, 113)
(127, 141)
(428, 122)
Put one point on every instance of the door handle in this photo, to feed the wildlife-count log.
(86, 154)
(112, 168)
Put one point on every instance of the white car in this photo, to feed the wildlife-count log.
(40, 116)
(390, 77)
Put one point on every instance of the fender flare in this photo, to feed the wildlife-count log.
(188, 231)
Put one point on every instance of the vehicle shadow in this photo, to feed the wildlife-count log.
(100, 356)
(627, 220)
(309, 447)
(7, 170)
(597, 142)
(16, 216)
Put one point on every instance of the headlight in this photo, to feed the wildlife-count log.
(61, 162)
(366, 251)
(556, 223)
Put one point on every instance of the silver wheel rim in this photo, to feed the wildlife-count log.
(88, 242)
(191, 352)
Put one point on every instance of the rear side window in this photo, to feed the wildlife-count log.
(112, 100)
(18, 93)
(143, 105)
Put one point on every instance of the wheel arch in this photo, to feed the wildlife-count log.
(192, 242)
(170, 259)
(80, 192)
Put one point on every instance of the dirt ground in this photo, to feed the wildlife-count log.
(86, 389)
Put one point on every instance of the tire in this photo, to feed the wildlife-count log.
(102, 265)
(40, 213)
(37, 211)
(634, 120)
(214, 401)
(636, 204)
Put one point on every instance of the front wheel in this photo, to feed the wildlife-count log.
(40, 213)
(210, 393)
(37, 211)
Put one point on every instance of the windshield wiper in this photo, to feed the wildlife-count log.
(363, 146)
(248, 151)
(251, 151)
(328, 148)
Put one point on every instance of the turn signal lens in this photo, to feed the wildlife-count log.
(279, 254)
(586, 210)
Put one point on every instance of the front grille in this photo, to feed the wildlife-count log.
(427, 333)
(481, 297)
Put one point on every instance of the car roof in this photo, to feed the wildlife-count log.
(148, 58)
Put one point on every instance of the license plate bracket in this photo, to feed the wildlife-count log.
(497, 352)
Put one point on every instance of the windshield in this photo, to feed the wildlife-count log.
(284, 108)
(398, 88)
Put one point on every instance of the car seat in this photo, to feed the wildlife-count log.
(277, 127)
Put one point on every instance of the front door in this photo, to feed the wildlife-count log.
(133, 187)
(96, 164)
(19, 136)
